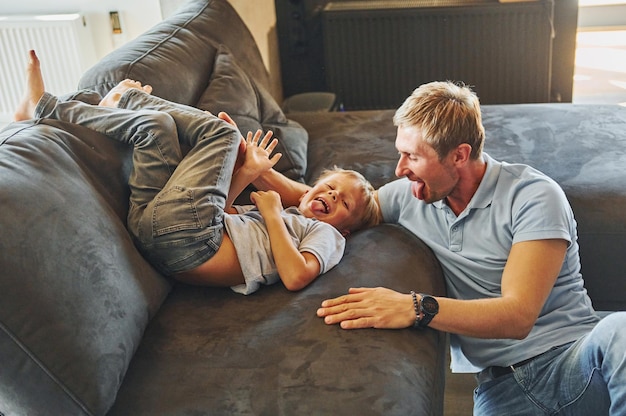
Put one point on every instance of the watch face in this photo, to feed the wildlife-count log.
(430, 305)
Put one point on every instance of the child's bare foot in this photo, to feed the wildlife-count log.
(113, 97)
(34, 89)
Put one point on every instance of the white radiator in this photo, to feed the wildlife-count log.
(64, 44)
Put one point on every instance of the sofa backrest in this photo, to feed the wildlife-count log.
(582, 148)
(176, 56)
(205, 56)
(75, 294)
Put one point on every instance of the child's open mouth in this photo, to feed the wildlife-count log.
(325, 207)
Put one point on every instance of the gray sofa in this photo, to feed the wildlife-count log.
(87, 327)
(582, 147)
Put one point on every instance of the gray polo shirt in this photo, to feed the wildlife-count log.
(249, 234)
(513, 203)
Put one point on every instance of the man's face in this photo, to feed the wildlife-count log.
(432, 179)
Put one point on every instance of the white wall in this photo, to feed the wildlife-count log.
(260, 17)
(137, 16)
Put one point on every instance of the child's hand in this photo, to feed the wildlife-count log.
(267, 202)
(257, 157)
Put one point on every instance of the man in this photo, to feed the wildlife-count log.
(505, 235)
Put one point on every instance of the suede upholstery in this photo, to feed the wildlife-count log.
(582, 147)
(75, 294)
(87, 327)
(253, 109)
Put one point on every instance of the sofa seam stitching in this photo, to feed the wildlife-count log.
(44, 368)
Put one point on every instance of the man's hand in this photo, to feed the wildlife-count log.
(369, 308)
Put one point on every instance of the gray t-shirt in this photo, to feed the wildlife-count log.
(249, 235)
(513, 203)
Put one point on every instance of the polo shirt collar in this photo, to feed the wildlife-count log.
(484, 194)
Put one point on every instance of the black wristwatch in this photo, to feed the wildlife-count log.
(425, 309)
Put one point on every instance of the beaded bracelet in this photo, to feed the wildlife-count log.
(416, 305)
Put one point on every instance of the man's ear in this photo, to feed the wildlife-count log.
(462, 153)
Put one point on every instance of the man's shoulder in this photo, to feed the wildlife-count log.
(394, 188)
(523, 171)
(519, 177)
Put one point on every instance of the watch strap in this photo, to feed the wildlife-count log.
(426, 315)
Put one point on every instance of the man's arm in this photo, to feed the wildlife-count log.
(290, 191)
(528, 278)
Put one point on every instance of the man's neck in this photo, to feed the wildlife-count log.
(469, 181)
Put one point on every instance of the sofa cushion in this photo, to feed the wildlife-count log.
(177, 58)
(582, 148)
(333, 137)
(176, 55)
(75, 295)
(211, 351)
(252, 107)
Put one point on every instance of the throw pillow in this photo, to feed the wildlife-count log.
(252, 107)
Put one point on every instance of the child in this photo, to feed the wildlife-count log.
(178, 204)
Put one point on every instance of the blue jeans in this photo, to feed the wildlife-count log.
(176, 203)
(587, 377)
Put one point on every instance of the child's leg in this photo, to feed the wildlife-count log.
(156, 153)
(190, 213)
(176, 205)
(215, 145)
(157, 150)
(86, 96)
(192, 123)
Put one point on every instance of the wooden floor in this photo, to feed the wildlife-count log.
(458, 394)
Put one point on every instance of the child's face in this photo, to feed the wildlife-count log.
(335, 200)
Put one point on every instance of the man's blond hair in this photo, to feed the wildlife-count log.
(448, 115)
